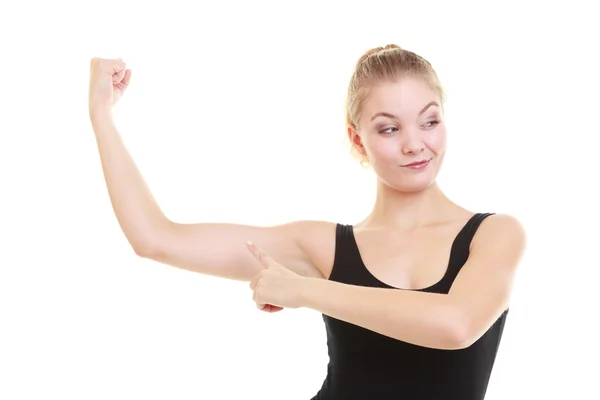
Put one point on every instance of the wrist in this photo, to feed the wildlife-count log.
(306, 291)
(102, 123)
(100, 115)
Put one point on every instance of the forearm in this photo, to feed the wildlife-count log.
(425, 319)
(136, 210)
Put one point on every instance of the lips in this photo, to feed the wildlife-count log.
(416, 163)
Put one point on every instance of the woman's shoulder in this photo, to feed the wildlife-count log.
(490, 223)
(499, 223)
(500, 230)
(316, 238)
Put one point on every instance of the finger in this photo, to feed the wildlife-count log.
(260, 255)
(106, 64)
(126, 77)
(271, 308)
(115, 67)
(259, 305)
(118, 77)
(274, 309)
(255, 280)
(265, 307)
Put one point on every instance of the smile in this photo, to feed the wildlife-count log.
(417, 164)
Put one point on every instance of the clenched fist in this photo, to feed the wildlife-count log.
(108, 80)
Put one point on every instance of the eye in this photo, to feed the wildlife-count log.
(431, 124)
(389, 130)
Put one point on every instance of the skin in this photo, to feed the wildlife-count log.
(404, 241)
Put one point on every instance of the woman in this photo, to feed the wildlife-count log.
(414, 297)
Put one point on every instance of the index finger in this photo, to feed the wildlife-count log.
(260, 255)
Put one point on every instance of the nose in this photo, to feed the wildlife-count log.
(412, 143)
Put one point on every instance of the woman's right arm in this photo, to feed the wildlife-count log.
(217, 249)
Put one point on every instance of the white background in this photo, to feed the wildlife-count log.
(235, 114)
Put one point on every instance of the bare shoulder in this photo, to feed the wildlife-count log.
(316, 239)
(494, 258)
(503, 225)
(500, 235)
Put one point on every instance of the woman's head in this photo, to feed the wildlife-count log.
(394, 114)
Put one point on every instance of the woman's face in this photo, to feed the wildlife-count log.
(402, 132)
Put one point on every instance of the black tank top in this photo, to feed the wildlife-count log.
(365, 365)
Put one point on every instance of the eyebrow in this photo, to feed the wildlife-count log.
(384, 114)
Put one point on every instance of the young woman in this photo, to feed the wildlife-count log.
(414, 297)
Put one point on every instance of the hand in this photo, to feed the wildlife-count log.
(275, 287)
(108, 81)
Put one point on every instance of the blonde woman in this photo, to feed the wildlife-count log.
(414, 296)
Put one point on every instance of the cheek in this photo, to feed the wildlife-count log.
(383, 150)
(437, 142)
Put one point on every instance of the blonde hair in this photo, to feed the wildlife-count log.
(378, 64)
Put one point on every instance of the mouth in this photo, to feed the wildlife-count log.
(417, 164)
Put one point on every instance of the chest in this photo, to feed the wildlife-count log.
(407, 260)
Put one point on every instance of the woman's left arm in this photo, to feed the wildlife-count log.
(479, 294)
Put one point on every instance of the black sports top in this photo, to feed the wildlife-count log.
(365, 365)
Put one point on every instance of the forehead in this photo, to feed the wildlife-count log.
(404, 98)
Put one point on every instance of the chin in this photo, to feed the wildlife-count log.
(409, 184)
(413, 187)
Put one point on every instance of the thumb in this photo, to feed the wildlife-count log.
(118, 77)
(126, 77)
(122, 83)
(122, 76)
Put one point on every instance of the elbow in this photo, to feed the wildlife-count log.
(148, 242)
(150, 246)
(145, 249)
(460, 333)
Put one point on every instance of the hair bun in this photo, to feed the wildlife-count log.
(376, 50)
(392, 46)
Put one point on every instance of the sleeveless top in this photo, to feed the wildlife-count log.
(365, 365)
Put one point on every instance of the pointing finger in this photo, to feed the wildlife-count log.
(260, 255)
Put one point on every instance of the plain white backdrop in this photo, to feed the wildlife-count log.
(235, 114)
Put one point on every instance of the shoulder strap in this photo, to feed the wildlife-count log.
(346, 255)
(461, 249)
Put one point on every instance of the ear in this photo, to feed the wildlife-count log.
(355, 139)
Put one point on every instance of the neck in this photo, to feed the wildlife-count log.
(407, 210)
